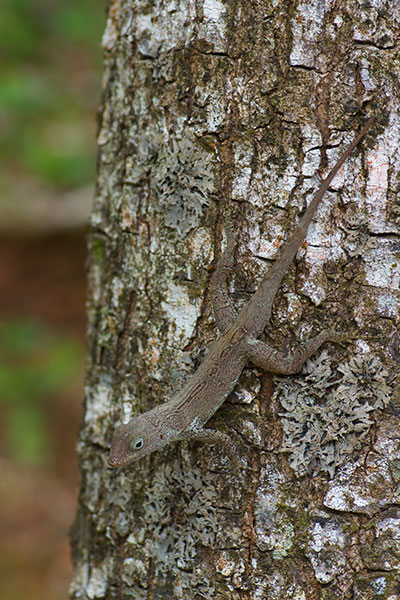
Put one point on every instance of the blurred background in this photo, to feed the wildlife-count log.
(50, 72)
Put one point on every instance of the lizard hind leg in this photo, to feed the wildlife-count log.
(224, 311)
(273, 361)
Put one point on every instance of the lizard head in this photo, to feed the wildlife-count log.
(135, 439)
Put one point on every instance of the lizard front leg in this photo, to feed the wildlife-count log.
(273, 361)
(211, 436)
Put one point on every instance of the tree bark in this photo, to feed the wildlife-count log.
(233, 109)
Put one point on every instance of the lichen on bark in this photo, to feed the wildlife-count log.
(212, 109)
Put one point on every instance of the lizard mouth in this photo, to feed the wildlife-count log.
(114, 461)
(121, 459)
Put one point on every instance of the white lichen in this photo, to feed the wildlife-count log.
(180, 311)
(306, 27)
(98, 400)
(364, 486)
(382, 162)
(98, 580)
(326, 549)
(173, 27)
(382, 265)
(274, 529)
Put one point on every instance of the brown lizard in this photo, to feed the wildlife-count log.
(184, 416)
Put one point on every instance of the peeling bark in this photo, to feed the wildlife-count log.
(214, 109)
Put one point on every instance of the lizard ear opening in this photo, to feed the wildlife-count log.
(137, 444)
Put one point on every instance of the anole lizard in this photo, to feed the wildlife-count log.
(184, 416)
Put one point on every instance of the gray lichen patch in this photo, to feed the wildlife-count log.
(184, 532)
(180, 515)
(183, 182)
(327, 415)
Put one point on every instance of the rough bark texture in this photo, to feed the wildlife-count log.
(211, 109)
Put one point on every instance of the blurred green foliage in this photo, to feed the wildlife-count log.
(50, 58)
(35, 363)
(49, 89)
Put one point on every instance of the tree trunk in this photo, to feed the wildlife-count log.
(212, 110)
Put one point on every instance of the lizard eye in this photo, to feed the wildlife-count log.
(137, 444)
